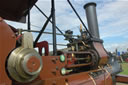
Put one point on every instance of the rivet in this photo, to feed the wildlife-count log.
(54, 60)
(54, 71)
(54, 82)
(13, 36)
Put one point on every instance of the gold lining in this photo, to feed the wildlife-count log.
(108, 73)
(92, 79)
(109, 66)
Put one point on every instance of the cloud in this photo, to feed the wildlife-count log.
(112, 18)
(121, 47)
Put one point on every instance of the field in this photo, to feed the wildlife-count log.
(125, 68)
(124, 72)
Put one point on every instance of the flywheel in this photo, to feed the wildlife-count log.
(24, 63)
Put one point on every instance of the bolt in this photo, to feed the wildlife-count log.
(13, 36)
(54, 82)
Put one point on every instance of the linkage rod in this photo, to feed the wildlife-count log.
(79, 17)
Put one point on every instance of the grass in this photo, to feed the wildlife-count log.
(125, 68)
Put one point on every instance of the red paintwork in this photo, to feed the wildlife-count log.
(43, 44)
(122, 78)
(50, 74)
(33, 64)
(102, 53)
(7, 44)
(71, 59)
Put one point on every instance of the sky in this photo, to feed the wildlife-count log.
(112, 20)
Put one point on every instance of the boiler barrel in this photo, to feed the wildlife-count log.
(91, 15)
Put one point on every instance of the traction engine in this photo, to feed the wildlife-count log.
(83, 62)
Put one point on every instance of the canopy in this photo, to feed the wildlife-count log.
(15, 10)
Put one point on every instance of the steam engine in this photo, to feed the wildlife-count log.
(83, 62)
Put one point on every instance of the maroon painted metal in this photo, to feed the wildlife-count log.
(7, 44)
(102, 53)
(41, 45)
(15, 10)
(50, 75)
(33, 64)
(122, 78)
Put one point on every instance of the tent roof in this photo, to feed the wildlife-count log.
(15, 10)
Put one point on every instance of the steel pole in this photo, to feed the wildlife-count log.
(54, 27)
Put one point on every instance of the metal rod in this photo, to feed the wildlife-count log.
(79, 17)
(54, 27)
(57, 44)
(50, 20)
(42, 30)
(46, 32)
(29, 28)
(78, 65)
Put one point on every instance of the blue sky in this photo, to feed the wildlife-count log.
(112, 19)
